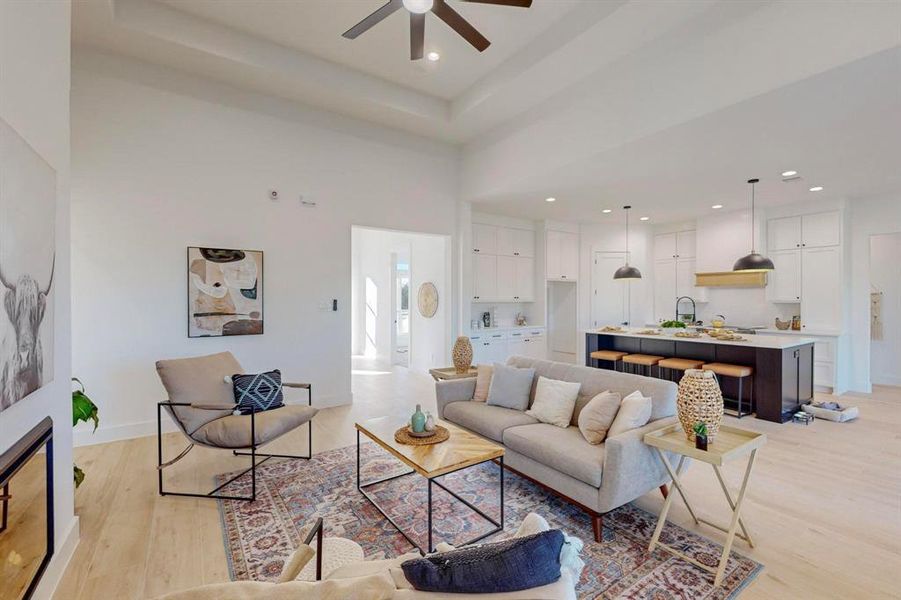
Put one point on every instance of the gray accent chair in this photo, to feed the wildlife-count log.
(202, 403)
(596, 478)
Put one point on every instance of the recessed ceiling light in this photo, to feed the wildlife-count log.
(433, 56)
(606, 211)
(816, 188)
(717, 206)
(644, 219)
(789, 173)
(551, 199)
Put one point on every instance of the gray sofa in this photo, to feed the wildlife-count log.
(598, 478)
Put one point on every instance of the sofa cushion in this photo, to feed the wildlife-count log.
(233, 431)
(562, 449)
(510, 387)
(597, 416)
(634, 412)
(485, 419)
(554, 401)
(483, 383)
(594, 381)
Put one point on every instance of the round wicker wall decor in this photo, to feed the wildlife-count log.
(428, 300)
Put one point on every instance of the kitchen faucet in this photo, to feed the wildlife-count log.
(694, 309)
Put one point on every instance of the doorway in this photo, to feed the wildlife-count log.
(610, 298)
(400, 301)
(885, 309)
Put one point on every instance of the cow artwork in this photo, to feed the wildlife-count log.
(27, 265)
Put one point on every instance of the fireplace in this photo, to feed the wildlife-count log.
(26, 512)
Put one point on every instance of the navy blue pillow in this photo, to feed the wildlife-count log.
(258, 392)
(507, 566)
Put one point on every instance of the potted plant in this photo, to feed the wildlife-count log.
(700, 430)
(83, 409)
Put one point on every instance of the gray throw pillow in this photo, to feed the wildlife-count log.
(510, 387)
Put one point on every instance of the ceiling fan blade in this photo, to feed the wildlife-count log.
(373, 19)
(460, 25)
(417, 35)
(517, 3)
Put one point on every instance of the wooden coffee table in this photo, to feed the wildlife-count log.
(461, 451)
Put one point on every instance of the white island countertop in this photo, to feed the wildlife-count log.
(774, 342)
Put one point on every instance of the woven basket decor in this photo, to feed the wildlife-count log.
(403, 436)
(700, 399)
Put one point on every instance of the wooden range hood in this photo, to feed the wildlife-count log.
(731, 279)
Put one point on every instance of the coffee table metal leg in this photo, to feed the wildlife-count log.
(502, 493)
(431, 549)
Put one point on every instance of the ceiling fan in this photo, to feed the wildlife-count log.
(418, 10)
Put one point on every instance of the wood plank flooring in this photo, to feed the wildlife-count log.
(824, 506)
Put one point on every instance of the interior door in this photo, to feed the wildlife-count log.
(609, 297)
(400, 298)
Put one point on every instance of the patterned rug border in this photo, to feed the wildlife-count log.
(748, 579)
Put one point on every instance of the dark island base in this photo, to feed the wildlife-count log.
(783, 379)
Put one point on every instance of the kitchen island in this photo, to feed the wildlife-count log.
(783, 365)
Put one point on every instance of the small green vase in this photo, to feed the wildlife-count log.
(417, 422)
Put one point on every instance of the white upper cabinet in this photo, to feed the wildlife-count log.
(515, 242)
(506, 278)
(686, 241)
(664, 246)
(821, 276)
(784, 282)
(685, 280)
(784, 234)
(484, 278)
(665, 290)
(524, 279)
(484, 238)
(821, 230)
(562, 255)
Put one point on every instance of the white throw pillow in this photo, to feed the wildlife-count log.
(555, 401)
(598, 415)
(634, 412)
(483, 383)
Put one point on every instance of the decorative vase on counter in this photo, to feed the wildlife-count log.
(417, 421)
(462, 354)
(429, 422)
(700, 400)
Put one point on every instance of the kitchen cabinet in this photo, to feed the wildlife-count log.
(515, 242)
(484, 278)
(562, 255)
(681, 244)
(821, 290)
(497, 346)
(524, 279)
(484, 238)
(817, 230)
(784, 282)
(674, 272)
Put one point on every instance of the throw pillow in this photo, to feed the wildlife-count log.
(483, 382)
(634, 412)
(258, 392)
(555, 401)
(510, 387)
(499, 567)
(597, 416)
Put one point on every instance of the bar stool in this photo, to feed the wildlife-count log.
(739, 372)
(678, 364)
(647, 361)
(613, 356)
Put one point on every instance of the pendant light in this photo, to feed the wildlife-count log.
(625, 271)
(753, 261)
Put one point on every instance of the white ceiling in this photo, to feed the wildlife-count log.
(669, 106)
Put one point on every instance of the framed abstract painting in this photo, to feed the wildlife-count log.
(225, 292)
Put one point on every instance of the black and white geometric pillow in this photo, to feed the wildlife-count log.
(258, 392)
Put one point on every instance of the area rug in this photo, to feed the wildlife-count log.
(292, 494)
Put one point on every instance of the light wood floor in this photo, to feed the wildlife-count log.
(824, 505)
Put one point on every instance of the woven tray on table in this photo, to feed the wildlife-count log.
(403, 436)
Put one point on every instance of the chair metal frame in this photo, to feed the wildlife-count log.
(253, 454)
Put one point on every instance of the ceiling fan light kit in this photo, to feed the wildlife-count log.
(418, 10)
(753, 262)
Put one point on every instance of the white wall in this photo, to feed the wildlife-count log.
(34, 100)
(885, 354)
(429, 261)
(164, 160)
(868, 217)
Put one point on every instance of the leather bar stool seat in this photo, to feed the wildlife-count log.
(645, 361)
(613, 356)
(740, 372)
(677, 364)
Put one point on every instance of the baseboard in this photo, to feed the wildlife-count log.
(57, 567)
(128, 431)
(887, 380)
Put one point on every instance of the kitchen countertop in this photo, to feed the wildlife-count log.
(775, 342)
(824, 332)
(512, 328)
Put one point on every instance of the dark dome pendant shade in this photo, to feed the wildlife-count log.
(753, 262)
(626, 271)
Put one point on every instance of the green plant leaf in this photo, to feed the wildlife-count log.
(83, 409)
(79, 475)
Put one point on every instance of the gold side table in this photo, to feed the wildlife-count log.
(730, 443)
